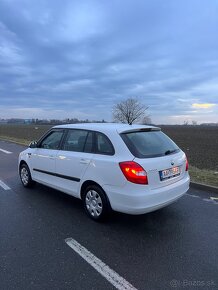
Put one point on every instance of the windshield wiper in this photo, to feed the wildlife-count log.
(170, 151)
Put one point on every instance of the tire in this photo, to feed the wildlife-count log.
(25, 176)
(95, 203)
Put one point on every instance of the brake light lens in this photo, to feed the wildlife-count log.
(134, 172)
(186, 164)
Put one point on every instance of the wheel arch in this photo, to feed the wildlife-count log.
(21, 163)
(91, 182)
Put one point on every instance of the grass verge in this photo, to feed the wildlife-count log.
(15, 140)
(202, 176)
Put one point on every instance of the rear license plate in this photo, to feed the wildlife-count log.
(169, 173)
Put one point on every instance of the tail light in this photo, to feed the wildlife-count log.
(186, 164)
(134, 172)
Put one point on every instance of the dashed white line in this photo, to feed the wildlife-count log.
(115, 279)
(211, 199)
(4, 186)
(5, 151)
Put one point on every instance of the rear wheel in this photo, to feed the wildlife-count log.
(25, 176)
(96, 203)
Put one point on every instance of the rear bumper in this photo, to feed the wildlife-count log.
(139, 199)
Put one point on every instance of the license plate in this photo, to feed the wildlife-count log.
(169, 173)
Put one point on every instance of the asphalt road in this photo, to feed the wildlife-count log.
(173, 248)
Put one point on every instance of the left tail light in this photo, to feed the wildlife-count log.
(134, 172)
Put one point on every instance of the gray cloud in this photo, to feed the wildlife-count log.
(70, 58)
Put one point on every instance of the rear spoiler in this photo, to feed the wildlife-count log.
(141, 130)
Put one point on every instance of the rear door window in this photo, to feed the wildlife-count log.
(76, 141)
(89, 143)
(103, 145)
(148, 144)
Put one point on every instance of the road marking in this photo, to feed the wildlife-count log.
(4, 186)
(214, 198)
(115, 279)
(211, 199)
(192, 195)
(5, 151)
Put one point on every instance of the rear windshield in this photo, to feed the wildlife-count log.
(148, 144)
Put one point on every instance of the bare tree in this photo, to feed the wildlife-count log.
(194, 123)
(129, 111)
(146, 120)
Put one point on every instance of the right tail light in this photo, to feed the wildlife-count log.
(186, 164)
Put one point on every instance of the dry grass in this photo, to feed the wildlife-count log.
(203, 176)
(15, 140)
(22, 134)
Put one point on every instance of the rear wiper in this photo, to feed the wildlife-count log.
(170, 151)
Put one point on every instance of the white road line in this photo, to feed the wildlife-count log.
(214, 198)
(211, 199)
(115, 279)
(5, 151)
(4, 186)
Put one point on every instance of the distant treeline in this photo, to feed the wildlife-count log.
(48, 122)
(76, 121)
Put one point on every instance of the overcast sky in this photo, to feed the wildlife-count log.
(66, 59)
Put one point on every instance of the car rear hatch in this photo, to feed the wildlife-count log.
(160, 157)
(163, 171)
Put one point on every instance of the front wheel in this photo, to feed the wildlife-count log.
(96, 203)
(25, 176)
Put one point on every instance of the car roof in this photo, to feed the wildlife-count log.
(107, 127)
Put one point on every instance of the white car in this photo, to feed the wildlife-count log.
(132, 169)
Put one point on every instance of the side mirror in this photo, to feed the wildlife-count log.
(33, 144)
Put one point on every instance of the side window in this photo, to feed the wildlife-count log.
(52, 140)
(75, 140)
(103, 145)
(89, 143)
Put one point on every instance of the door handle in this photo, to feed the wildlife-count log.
(84, 161)
(51, 157)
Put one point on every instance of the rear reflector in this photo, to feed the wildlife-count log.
(134, 172)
